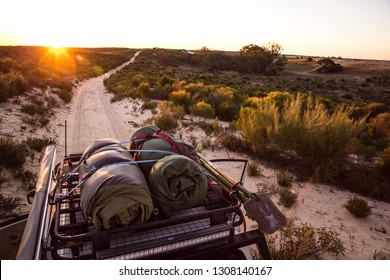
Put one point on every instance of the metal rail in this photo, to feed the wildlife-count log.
(31, 243)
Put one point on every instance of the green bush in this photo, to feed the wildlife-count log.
(166, 122)
(149, 105)
(234, 143)
(65, 95)
(202, 109)
(11, 84)
(144, 89)
(31, 109)
(37, 144)
(304, 242)
(254, 168)
(9, 203)
(301, 125)
(257, 125)
(287, 197)
(283, 178)
(381, 125)
(12, 154)
(358, 207)
(28, 178)
(181, 98)
(165, 80)
(168, 117)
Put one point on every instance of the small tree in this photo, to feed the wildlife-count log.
(329, 66)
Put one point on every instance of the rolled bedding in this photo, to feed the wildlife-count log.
(115, 196)
(177, 182)
(151, 158)
(106, 155)
(97, 144)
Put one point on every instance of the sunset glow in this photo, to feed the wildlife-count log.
(347, 28)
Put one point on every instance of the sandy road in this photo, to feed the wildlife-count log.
(92, 116)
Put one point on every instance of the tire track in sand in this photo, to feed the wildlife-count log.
(92, 116)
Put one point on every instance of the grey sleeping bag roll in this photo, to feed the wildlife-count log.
(103, 156)
(115, 196)
(97, 144)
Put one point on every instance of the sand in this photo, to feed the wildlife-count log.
(91, 115)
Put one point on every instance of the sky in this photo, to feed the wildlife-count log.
(346, 28)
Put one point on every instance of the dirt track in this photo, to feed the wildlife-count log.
(92, 116)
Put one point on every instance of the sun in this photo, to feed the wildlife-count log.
(57, 48)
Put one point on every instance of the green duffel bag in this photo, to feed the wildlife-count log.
(140, 134)
(177, 182)
(115, 196)
(154, 144)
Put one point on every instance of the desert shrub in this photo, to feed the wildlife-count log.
(304, 242)
(381, 125)
(65, 95)
(302, 125)
(283, 178)
(251, 102)
(8, 64)
(374, 109)
(254, 168)
(149, 105)
(257, 124)
(137, 79)
(28, 178)
(166, 122)
(207, 128)
(12, 154)
(383, 165)
(279, 98)
(287, 197)
(329, 66)
(169, 107)
(37, 144)
(215, 126)
(9, 203)
(181, 98)
(144, 89)
(165, 80)
(31, 109)
(366, 180)
(202, 109)
(168, 117)
(358, 207)
(234, 143)
(11, 84)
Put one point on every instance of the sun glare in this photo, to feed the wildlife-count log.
(57, 49)
(57, 57)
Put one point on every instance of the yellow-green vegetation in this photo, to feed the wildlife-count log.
(202, 109)
(333, 126)
(299, 124)
(304, 242)
(169, 116)
(254, 168)
(283, 178)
